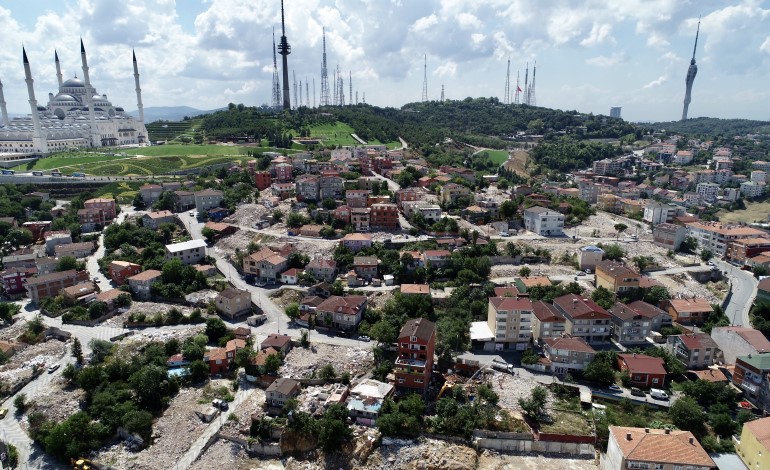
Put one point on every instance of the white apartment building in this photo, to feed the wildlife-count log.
(707, 191)
(682, 157)
(543, 221)
(659, 213)
(752, 189)
(759, 176)
(510, 320)
(429, 211)
(189, 252)
(716, 237)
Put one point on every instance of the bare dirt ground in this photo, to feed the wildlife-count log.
(20, 365)
(490, 460)
(284, 297)
(147, 308)
(510, 389)
(301, 362)
(57, 402)
(225, 454)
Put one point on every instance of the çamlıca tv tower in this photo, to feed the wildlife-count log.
(285, 49)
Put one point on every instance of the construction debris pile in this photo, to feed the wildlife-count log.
(306, 363)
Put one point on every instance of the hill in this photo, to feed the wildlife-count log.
(170, 113)
(711, 127)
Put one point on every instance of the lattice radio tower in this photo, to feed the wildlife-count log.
(425, 80)
(307, 93)
(294, 84)
(507, 99)
(442, 92)
(340, 88)
(526, 84)
(518, 89)
(350, 87)
(325, 98)
(531, 94)
(276, 79)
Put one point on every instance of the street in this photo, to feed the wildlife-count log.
(743, 287)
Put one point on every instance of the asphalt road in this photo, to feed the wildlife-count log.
(743, 286)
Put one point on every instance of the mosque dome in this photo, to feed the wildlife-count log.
(64, 98)
(74, 83)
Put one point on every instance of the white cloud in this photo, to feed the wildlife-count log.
(424, 23)
(468, 21)
(600, 33)
(607, 61)
(447, 69)
(656, 40)
(657, 82)
(765, 47)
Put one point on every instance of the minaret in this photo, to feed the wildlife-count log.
(6, 122)
(285, 49)
(139, 105)
(691, 73)
(58, 68)
(96, 139)
(276, 79)
(325, 98)
(38, 141)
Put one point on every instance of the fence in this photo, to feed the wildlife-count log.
(524, 442)
(271, 449)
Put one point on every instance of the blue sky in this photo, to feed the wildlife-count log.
(590, 54)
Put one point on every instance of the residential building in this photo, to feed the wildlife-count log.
(141, 283)
(278, 342)
(323, 269)
(694, 350)
(608, 166)
(217, 360)
(14, 280)
(416, 348)
(707, 192)
(430, 212)
(763, 290)
(585, 319)
(366, 400)
(567, 354)
(154, 219)
(688, 311)
(119, 271)
(282, 190)
(659, 213)
(415, 289)
(82, 292)
(283, 172)
(384, 217)
(547, 321)
(510, 319)
(107, 206)
(331, 186)
(629, 326)
(669, 236)
(359, 219)
(645, 371)
(716, 237)
(49, 285)
(752, 376)
(217, 213)
(291, 276)
(307, 188)
(45, 265)
(654, 449)
(544, 222)
(762, 260)
(741, 250)
(365, 267)
(356, 198)
(189, 252)
(682, 157)
(589, 257)
(736, 341)
(265, 265)
(451, 192)
(616, 277)
(658, 318)
(52, 239)
(90, 219)
(75, 250)
(436, 258)
(342, 313)
(150, 193)
(262, 180)
(754, 446)
(281, 391)
(233, 302)
(231, 349)
(752, 189)
(184, 200)
(208, 199)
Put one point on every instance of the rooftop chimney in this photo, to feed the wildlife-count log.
(692, 440)
(668, 431)
(628, 436)
(647, 430)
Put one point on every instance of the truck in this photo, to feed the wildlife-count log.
(502, 366)
(658, 394)
(37, 173)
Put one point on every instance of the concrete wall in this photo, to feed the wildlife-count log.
(522, 442)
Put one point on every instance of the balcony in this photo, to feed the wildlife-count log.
(410, 366)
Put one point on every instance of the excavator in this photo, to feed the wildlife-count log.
(83, 464)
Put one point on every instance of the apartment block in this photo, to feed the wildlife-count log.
(416, 350)
(49, 285)
(510, 320)
(585, 319)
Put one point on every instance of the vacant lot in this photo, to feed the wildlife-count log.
(754, 212)
(519, 162)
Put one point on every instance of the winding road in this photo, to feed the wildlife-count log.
(743, 288)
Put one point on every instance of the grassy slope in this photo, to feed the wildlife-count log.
(754, 212)
(497, 156)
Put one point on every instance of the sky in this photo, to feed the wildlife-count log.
(590, 54)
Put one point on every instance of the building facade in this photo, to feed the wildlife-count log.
(416, 349)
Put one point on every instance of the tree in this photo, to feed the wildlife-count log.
(620, 228)
(278, 215)
(77, 351)
(613, 252)
(525, 271)
(151, 386)
(8, 310)
(327, 372)
(603, 297)
(199, 371)
(215, 329)
(706, 255)
(333, 429)
(689, 245)
(292, 311)
(600, 371)
(534, 406)
(208, 234)
(641, 262)
(687, 415)
(20, 402)
(656, 294)
(272, 363)
(66, 263)
(100, 349)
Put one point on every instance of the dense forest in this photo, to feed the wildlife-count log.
(711, 127)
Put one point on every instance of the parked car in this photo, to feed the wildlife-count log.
(220, 404)
(53, 368)
(364, 338)
(658, 394)
(580, 273)
(615, 388)
(3, 412)
(637, 392)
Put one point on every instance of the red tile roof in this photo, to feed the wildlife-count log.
(639, 363)
(655, 445)
(511, 303)
(568, 343)
(578, 307)
(546, 312)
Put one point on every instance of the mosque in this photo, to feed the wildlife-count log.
(76, 117)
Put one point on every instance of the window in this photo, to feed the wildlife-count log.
(419, 381)
(400, 380)
(413, 339)
(654, 380)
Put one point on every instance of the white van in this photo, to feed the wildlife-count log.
(658, 394)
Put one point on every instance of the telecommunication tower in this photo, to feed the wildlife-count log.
(350, 88)
(442, 92)
(692, 71)
(285, 49)
(507, 99)
(531, 94)
(276, 79)
(425, 80)
(518, 89)
(325, 99)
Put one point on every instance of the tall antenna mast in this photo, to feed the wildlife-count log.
(442, 92)
(507, 99)
(299, 103)
(294, 83)
(324, 76)
(340, 88)
(350, 83)
(526, 85)
(285, 49)
(307, 93)
(425, 80)
(531, 94)
(518, 89)
(356, 96)
(276, 79)
(314, 93)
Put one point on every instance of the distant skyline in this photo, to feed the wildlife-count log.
(590, 55)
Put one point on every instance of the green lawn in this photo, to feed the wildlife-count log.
(69, 160)
(334, 134)
(497, 156)
(181, 149)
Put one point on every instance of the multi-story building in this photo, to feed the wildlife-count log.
(141, 283)
(356, 241)
(669, 236)
(356, 198)
(323, 269)
(416, 348)
(384, 217)
(752, 376)
(262, 180)
(716, 237)
(154, 219)
(682, 157)
(654, 449)
(430, 212)
(585, 319)
(510, 320)
(233, 302)
(119, 271)
(451, 192)
(184, 200)
(659, 213)
(107, 206)
(436, 258)
(208, 199)
(189, 252)
(707, 192)
(90, 219)
(688, 311)
(567, 354)
(281, 391)
(343, 313)
(616, 277)
(761, 165)
(282, 172)
(150, 193)
(758, 176)
(741, 250)
(547, 321)
(588, 191)
(629, 326)
(695, 351)
(754, 446)
(544, 222)
(365, 267)
(589, 257)
(644, 371)
(307, 188)
(76, 250)
(14, 280)
(736, 341)
(331, 186)
(359, 219)
(608, 166)
(752, 189)
(53, 239)
(49, 285)
(265, 265)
